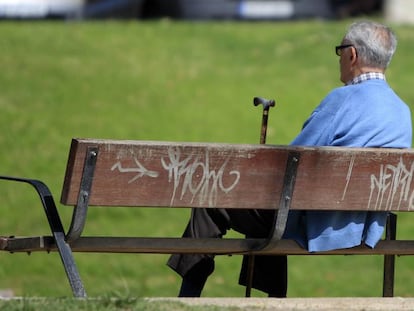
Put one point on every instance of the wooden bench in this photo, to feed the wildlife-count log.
(209, 175)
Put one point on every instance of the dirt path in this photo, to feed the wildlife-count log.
(305, 304)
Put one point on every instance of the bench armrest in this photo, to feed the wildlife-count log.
(47, 200)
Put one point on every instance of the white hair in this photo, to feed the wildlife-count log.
(375, 43)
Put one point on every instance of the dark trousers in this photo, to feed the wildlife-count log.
(270, 272)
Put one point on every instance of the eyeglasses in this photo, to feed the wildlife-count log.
(339, 48)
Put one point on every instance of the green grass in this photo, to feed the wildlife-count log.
(104, 304)
(164, 81)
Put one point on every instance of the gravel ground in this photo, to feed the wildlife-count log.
(305, 304)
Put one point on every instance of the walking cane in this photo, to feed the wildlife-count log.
(267, 103)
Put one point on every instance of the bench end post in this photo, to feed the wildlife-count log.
(81, 208)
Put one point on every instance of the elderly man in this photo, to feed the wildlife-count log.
(364, 113)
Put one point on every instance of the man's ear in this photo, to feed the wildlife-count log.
(354, 55)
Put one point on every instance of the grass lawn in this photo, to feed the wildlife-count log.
(105, 304)
(164, 80)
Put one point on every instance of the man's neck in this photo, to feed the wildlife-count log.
(367, 69)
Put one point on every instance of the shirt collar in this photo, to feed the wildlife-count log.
(366, 76)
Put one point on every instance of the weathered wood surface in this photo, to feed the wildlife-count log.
(145, 173)
(191, 246)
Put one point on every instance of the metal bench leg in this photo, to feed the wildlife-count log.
(56, 227)
(59, 235)
(389, 260)
(280, 219)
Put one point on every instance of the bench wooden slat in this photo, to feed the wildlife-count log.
(179, 245)
(162, 174)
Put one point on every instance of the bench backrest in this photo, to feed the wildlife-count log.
(167, 174)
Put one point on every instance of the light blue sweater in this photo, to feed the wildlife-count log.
(368, 114)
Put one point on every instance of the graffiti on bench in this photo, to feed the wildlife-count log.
(191, 173)
(393, 182)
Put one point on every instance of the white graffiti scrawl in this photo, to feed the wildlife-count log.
(139, 169)
(195, 176)
(392, 185)
(192, 173)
